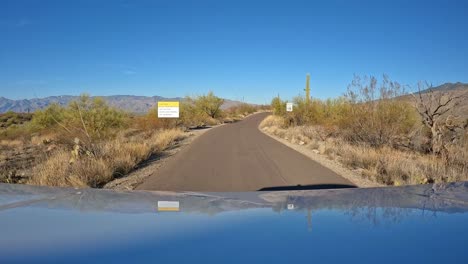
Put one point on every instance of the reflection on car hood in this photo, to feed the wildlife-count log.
(424, 223)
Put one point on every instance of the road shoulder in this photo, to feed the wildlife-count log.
(336, 167)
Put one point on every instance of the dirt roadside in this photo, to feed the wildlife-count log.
(352, 176)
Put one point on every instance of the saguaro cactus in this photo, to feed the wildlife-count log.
(307, 89)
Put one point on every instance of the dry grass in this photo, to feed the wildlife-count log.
(161, 140)
(122, 155)
(110, 159)
(45, 137)
(395, 167)
(384, 165)
(272, 121)
(55, 171)
(12, 143)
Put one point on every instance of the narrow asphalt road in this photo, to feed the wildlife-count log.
(239, 157)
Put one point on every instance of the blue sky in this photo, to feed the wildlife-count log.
(239, 49)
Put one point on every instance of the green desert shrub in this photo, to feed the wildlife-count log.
(86, 118)
(375, 115)
(278, 106)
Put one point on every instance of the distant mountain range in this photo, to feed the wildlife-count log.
(131, 103)
(141, 104)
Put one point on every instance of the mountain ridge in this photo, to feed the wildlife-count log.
(131, 103)
(446, 87)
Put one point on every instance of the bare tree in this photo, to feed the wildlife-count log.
(436, 108)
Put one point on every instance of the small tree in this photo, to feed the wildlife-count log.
(279, 106)
(436, 109)
(209, 104)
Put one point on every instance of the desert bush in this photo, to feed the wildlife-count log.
(375, 117)
(86, 118)
(93, 117)
(278, 106)
(111, 159)
(144, 122)
(160, 123)
(15, 126)
(49, 117)
(16, 132)
(209, 104)
(201, 110)
(242, 109)
(11, 118)
(317, 112)
(190, 115)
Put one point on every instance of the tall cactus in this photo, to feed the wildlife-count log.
(307, 89)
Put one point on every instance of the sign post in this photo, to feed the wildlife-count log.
(289, 107)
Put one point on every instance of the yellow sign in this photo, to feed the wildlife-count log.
(168, 104)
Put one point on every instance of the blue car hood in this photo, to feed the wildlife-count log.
(424, 223)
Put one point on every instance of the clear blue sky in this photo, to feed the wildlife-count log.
(251, 49)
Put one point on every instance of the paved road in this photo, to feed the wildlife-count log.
(238, 157)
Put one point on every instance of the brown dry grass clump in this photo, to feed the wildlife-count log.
(395, 167)
(108, 160)
(272, 121)
(12, 143)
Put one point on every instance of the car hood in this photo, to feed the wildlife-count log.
(424, 223)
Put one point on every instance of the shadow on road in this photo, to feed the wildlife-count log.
(199, 128)
(307, 187)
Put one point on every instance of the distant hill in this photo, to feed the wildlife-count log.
(131, 103)
(451, 88)
(454, 89)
